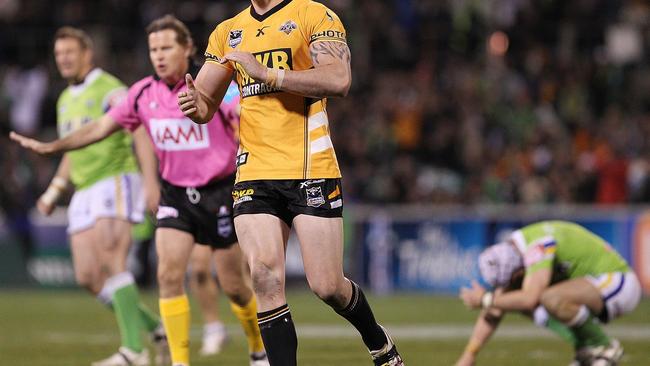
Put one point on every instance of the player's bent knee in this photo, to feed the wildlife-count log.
(201, 277)
(551, 300)
(328, 291)
(170, 279)
(266, 283)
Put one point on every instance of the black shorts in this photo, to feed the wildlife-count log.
(287, 199)
(205, 212)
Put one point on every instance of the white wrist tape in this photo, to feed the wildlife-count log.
(487, 300)
(54, 190)
(280, 78)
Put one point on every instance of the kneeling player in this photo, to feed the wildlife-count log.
(572, 279)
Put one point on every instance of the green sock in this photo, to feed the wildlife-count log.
(590, 334)
(150, 320)
(562, 330)
(125, 304)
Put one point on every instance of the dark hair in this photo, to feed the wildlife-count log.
(183, 35)
(75, 33)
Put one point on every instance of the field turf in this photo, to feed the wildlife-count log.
(69, 328)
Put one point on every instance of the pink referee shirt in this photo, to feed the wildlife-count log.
(189, 154)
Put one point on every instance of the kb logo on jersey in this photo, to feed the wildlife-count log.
(279, 58)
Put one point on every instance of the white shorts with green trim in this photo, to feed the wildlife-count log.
(621, 292)
(120, 196)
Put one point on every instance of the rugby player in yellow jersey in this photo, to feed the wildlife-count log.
(288, 57)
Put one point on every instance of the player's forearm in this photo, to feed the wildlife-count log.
(59, 183)
(322, 82)
(146, 156)
(63, 170)
(515, 301)
(86, 135)
(485, 326)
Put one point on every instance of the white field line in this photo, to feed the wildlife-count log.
(402, 332)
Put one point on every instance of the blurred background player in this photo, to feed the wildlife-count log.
(108, 196)
(287, 172)
(569, 274)
(195, 163)
(205, 289)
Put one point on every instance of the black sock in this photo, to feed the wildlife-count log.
(358, 313)
(279, 336)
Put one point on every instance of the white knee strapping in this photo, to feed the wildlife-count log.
(580, 317)
(113, 284)
(540, 316)
(105, 297)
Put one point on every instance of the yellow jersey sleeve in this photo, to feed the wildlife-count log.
(322, 24)
(216, 50)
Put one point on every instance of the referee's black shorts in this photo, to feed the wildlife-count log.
(204, 212)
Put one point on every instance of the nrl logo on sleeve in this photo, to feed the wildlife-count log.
(288, 27)
(315, 197)
(235, 37)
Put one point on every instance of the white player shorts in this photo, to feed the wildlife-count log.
(621, 292)
(120, 196)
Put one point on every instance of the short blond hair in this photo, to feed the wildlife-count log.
(82, 37)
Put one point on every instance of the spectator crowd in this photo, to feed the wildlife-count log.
(456, 101)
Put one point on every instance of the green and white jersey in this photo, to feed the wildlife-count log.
(81, 104)
(568, 249)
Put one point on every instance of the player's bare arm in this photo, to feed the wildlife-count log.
(330, 77)
(86, 135)
(149, 168)
(525, 299)
(204, 95)
(486, 324)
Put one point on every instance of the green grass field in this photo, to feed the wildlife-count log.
(68, 327)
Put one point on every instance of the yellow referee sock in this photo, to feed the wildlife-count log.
(247, 316)
(175, 314)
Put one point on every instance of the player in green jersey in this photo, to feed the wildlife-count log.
(563, 276)
(108, 196)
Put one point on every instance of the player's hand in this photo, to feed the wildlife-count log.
(44, 208)
(34, 145)
(188, 101)
(467, 359)
(249, 63)
(472, 296)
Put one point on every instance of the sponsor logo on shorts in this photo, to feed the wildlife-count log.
(315, 197)
(242, 195)
(224, 222)
(165, 212)
(307, 183)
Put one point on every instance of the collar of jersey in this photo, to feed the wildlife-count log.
(275, 9)
(89, 79)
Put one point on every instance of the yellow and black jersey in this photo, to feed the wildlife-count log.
(282, 135)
